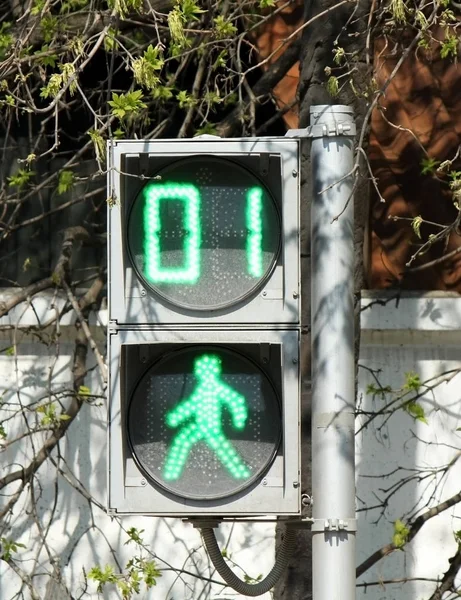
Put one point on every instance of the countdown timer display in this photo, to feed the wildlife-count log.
(204, 422)
(205, 234)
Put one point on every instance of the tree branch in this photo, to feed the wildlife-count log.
(414, 529)
(79, 371)
(449, 577)
(266, 83)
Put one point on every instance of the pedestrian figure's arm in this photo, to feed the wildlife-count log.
(237, 405)
(181, 412)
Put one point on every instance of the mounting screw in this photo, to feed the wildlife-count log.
(295, 361)
(294, 173)
(295, 295)
(264, 293)
(143, 482)
(264, 481)
(296, 484)
(143, 292)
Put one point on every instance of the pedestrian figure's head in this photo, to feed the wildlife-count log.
(207, 366)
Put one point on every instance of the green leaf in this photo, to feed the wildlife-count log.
(150, 573)
(8, 548)
(49, 414)
(224, 28)
(162, 93)
(374, 389)
(68, 6)
(457, 535)
(338, 55)
(110, 40)
(416, 224)
(66, 181)
(145, 68)
(412, 381)
(21, 178)
(416, 411)
(185, 100)
(49, 60)
(49, 27)
(449, 46)
(266, 4)
(398, 10)
(134, 535)
(207, 129)
(6, 39)
(126, 104)
(52, 88)
(190, 9)
(401, 532)
(67, 73)
(123, 7)
(37, 7)
(83, 390)
(176, 27)
(102, 576)
(9, 351)
(429, 165)
(221, 60)
(98, 143)
(333, 86)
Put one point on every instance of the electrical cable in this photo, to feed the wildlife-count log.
(250, 589)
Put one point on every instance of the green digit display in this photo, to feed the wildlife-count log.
(200, 419)
(254, 206)
(190, 197)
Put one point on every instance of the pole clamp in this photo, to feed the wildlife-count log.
(326, 130)
(319, 525)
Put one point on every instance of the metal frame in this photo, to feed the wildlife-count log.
(277, 492)
(276, 303)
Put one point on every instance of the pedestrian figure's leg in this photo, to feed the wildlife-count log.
(179, 451)
(228, 456)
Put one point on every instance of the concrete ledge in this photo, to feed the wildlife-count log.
(42, 309)
(393, 317)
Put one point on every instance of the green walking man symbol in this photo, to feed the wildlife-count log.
(200, 418)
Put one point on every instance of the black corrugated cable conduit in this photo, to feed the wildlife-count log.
(284, 554)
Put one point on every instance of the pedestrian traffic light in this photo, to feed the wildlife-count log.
(204, 327)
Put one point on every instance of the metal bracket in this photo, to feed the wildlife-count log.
(203, 523)
(331, 130)
(334, 525)
(264, 163)
(113, 327)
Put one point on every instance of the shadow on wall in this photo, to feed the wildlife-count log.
(403, 461)
(68, 500)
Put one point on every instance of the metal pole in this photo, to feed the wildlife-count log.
(333, 372)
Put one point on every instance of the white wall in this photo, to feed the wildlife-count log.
(400, 461)
(420, 334)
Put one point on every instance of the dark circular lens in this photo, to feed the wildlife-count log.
(205, 235)
(204, 422)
